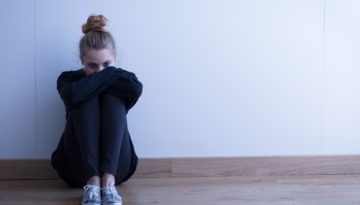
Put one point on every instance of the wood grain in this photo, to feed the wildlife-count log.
(204, 167)
(266, 166)
(247, 190)
(154, 168)
(26, 169)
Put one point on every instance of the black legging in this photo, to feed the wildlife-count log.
(100, 142)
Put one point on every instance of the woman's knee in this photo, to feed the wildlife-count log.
(110, 98)
(89, 106)
(112, 103)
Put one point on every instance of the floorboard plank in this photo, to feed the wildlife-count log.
(249, 190)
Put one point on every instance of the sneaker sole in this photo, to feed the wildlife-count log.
(90, 204)
(118, 203)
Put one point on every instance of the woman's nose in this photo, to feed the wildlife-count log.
(100, 68)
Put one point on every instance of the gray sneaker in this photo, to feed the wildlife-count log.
(91, 195)
(110, 196)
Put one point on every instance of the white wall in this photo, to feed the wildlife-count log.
(17, 80)
(221, 78)
(342, 77)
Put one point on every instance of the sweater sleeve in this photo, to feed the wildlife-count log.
(73, 91)
(127, 87)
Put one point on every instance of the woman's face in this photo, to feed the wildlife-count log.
(97, 60)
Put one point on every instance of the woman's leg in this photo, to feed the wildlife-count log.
(115, 150)
(85, 119)
(128, 158)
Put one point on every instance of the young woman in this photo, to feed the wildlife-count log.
(95, 150)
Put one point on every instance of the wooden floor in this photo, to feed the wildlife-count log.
(292, 190)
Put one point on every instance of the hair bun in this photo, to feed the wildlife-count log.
(95, 23)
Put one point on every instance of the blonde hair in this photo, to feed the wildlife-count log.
(96, 36)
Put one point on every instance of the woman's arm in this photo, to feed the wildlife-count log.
(127, 87)
(73, 91)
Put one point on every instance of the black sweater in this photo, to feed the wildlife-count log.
(75, 87)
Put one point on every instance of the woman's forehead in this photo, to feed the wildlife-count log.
(99, 56)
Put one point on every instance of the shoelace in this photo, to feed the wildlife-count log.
(94, 191)
(110, 193)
